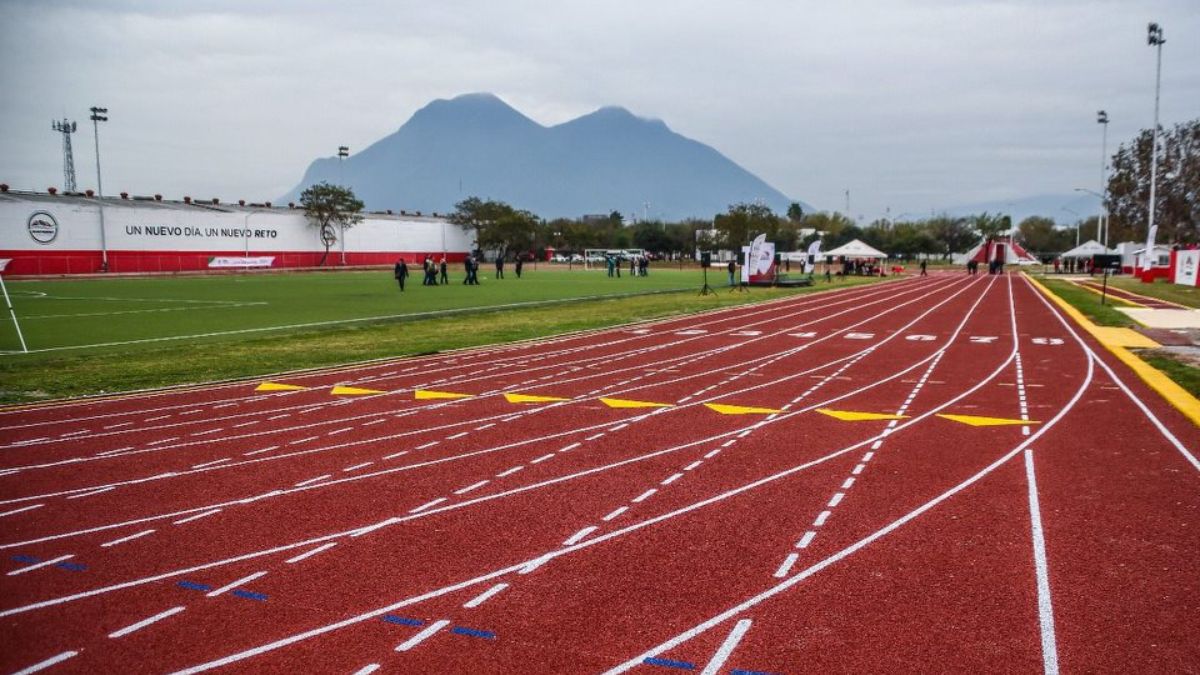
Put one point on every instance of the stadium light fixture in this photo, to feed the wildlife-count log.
(1154, 38)
(100, 115)
(1102, 226)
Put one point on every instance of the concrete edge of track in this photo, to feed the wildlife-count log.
(316, 370)
(1116, 342)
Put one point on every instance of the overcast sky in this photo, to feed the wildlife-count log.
(912, 105)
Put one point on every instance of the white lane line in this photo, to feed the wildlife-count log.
(357, 466)
(46, 664)
(693, 465)
(131, 537)
(232, 585)
(472, 486)
(367, 669)
(374, 422)
(858, 469)
(483, 597)
(712, 454)
(394, 455)
(849, 482)
(806, 539)
(198, 516)
(272, 493)
(118, 425)
(542, 458)
(876, 445)
(279, 417)
(616, 512)
(489, 425)
(427, 505)
(310, 481)
(726, 649)
(509, 472)
(594, 436)
(24, 508)
(244, 424)
(671, 479)
(570, 447)
(787, 565)
(155, 419)
(259, 452)
(113, 452)
(44, 563)
(210, 431)
(212, 463)
(145, 622)
(161, 441)
(457, 436)
(729, 442)
(371, 528)
(837, 499)
(430, 444)
(191, 412)
(1045, 602)
(821, 518)
(298, 441)
(311, 552)
(619, 426)
(92, 492)
(580, 535)
(420, 637)
(340, 431)
(867, 456)
(645, 495)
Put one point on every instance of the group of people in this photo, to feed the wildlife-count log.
(436, 272)
(1073, 265)
(639, 266)
(517, 267)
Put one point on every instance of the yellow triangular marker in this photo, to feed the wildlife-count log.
(341, 390)
(626, 403)
(530, 398)
(977, 421)
(851, 416)
(275, 386)
(427, 395)
(739, 409)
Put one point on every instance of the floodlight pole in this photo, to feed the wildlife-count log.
(100, 115)
(1102, 226)
(343, 153)
(1154, 38)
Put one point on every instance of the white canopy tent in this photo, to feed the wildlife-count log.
(855, 249)
(1087, 250)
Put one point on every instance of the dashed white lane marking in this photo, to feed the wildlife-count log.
(91, 492)
(787, 565)
(712, 454)
(340, 431)
(570, 447)
(310, 481)
(311, 552)
(210, 431)
(619, 427)
(155, 419)
(858, 469)
(489, 425)
(232, 585)
(421, 637)
(279, 417)
(837, 499)
(39, 565)
(1045, 601)
(374, 422)
(298, 441)
(198, 516)
(113, 452)
(117, 425)
(457, 436)
(46, 664)
(394, 455)
(265, 495)
(244, 424)
(848, 483)
(212, 463)
(729, 442)
(594, 436)
(427, 505)
(191, 412)
(145, 622)
(645, 495)
(616, 512)
(821, 518)
(579, 536)
(671, 479)
(472, 486)
(542, 458)
(356, 467)
(131, 537)
(162, 440)
(693, 465)
(259, 452)
(21, 510)
(806, 539)
(367, 669)
(430, 444)
(726, 649)
(509, 472)
(483, 597)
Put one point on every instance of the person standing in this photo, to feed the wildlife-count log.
(467, 269)
(443, 267)
(518, 265)
(732, 267)
(500, 266)
(923, 273)
(474, 271)
(401, 273)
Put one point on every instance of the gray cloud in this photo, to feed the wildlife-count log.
(913, 105)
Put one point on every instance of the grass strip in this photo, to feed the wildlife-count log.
(1180, 371)
(1089, 303)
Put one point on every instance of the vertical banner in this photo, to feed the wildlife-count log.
(759, 262)
(1187, 268)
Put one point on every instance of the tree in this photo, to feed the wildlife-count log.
(496, 224)
(991, 226)
(1041, 235)
(651, 235)
(795, 213)
(953, 235)
(1177, 203)
(742, 222)
(330, 208)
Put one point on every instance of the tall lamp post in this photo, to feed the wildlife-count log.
(100, 115)
(1154, 38)
(343, 153)
(1076, 223)
(1102, 226)
(1099, 218)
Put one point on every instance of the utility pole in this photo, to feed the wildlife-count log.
(66, 129)
(1102, 225)
(1154, 38)
(100, 115)
(343, 153)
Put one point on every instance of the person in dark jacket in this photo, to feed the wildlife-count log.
(445, 276)
(500, 266)
(401, 273)
(518, 265)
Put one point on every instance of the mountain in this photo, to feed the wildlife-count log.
(1063, 208)
(478, 145)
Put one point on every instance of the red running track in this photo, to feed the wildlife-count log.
(1013, 499)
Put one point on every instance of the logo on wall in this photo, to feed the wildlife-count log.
(42, 227)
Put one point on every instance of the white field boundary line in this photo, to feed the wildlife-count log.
(545, 557)
(393, 361)
(28, 317)
(486, 450)
(1158, 424)
(413, 411)
(526, 488)
(459, 380)
(1044, 599)
(206, 508)
(753, 601)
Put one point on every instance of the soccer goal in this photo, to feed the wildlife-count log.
(596, 258)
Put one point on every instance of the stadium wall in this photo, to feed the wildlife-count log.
(53, 234)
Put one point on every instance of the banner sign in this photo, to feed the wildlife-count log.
(1187, 268)
(759, 261)
(231, 262)
(4, 263)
